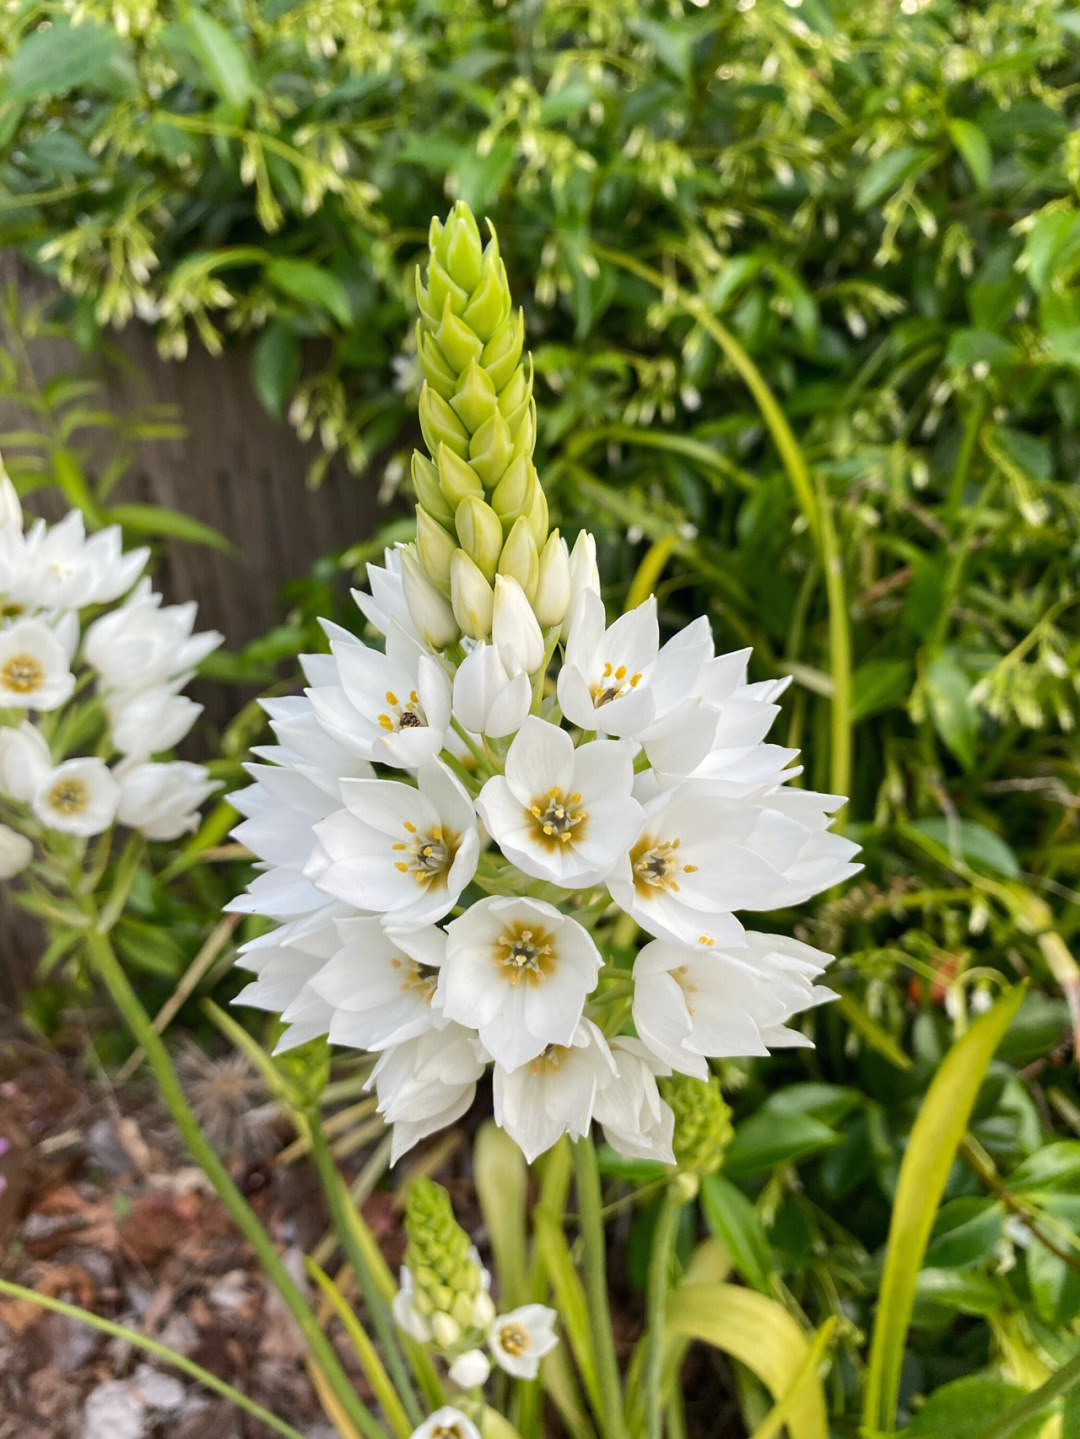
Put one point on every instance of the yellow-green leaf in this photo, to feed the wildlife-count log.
(935, 1137)
(501, 1182)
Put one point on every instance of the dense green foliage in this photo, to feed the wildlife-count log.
(806, 324)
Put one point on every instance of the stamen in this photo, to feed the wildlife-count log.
(430, 855)
(654, 866)
(22, 674)
(558, 820)
(513, 1340)
(527, 954)
(69, 796)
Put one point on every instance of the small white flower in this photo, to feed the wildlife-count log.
(25, 761)
(584, 575)
(554, 587)
(691, 1005)
(636, 1120)
(471, 1369)
(386, 608)
(515, 632)
(149, 721)
(518, 972)
(162, 800)
(520, 1339)
(34, 671)
(447, 1423)
(392, 708)
(599, 685)
(406, 1315)
(79, 796)
(424, 1084)
(142, 643)
(489, 698)
(403, 852)
(560, 813)
(16, 852)
(555, 1093)
(59, 567)
(380, 986)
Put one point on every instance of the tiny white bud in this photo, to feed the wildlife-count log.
(584, 574)
(483, 1310)
(514, 628)
(445, 1331)
(432, 616)
(487, 699)
(471, 596)
(470, 1370)
(16, 852)
(553, 589)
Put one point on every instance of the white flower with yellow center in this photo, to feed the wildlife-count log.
(392, 708)
(519, 1340)
(34, 670)
(427, 1082)
(380, 986)
(396, 850)
(79, 796)
(143, 643)
(554, 1093)
(57, 567)
(560, 813)
(518, 972)
(447, 1423)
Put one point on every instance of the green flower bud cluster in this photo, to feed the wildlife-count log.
(481, 511)
(702, 1123)
(305, 1072)
(447, 1279)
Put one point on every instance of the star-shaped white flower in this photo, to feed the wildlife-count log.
(518, 972)
(162, 800)
(426, 1083)
(79, 797)
(555, 1093)
(520, 1339)
(560, 813)
(34, 670)
(396, 850)
(380, 986)
(447, 1423)
(636, 1120)
(59, 567)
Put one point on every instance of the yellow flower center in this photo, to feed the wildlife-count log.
(613, 683)
(22, 674)
(417, 978)
(428, 856)
(525, 953)
(407, 715)
(556, 818)
(655, 865)
(69, 796)
(513, 1340)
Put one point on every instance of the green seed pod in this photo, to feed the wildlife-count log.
(479, 533)
(702, 1122)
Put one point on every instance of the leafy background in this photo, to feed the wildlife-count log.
(801, 286)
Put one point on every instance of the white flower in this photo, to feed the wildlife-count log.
(489, 698)
(404, 852)
(691, 1005)
(617, 679)
(406, 1315)
(424, 1084)
(58, 567)
(16, 852)
(520, 1339)
(25, 761)
(10, 509)
(34, 671)
(386, 608)
(430, 615)
(471, 1369)
(162, 800)
(146, 722)
(560, 813)
(142, 643)
(584, 575)
(555, 1093)
(518, 972)
(79, 796)
(392, 708)
(701, 856)
(636, 1120)
(515, 632)
(380, 986)
(447, 1423)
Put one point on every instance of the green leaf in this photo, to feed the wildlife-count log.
(502, 1180)
(887, 174)
(218, 52)
(967, 840)
(948, 694)
(931, 1151)
(275, 366)
(974, 150)
(761, 1334)
(63, 57)
(963, 1409)
(879, 685)
(734, 1222)
(158, 522)
(311, 285)
(771, 1138)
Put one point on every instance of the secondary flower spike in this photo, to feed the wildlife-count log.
(481, 511)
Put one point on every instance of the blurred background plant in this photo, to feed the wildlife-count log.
(801, 284)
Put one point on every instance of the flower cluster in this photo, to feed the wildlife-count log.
(90, 689)
(449, 824)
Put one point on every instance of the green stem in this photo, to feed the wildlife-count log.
(109, 971)
(839, 653)
(344, 1217)
(660, 1260)
(160, 1351)
(591, 1222)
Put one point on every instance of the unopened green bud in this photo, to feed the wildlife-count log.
(430, 612)
(480, 534)
(471, 597)
(513, 494)
(552, 595)
(476, 400)
(502, 353)
(440, 425)
(520, 560)
(702, 1122)
(489, 306)
(435, 546)
(460, 248)
(491, 449)
(447, 1279)
(445, 1330)
(439, 375)
(305, 1071)
(460, 345)
(429, 491)
(537, 517)
(457, 478)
